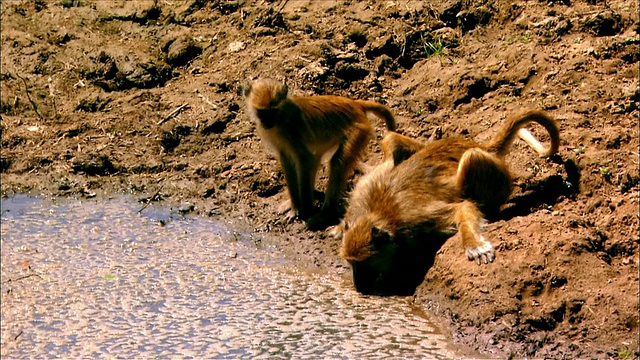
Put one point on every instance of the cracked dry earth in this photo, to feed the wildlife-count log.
(141, 97)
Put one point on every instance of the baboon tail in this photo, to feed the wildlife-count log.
(502, 141)
(381, 111)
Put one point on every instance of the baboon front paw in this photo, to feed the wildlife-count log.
(290, 216)
(284, 207)
(483, 253)
(321, 221)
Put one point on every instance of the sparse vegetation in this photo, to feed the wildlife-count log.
(432, 48)
(525, 39)
(624, 355)
(606, 173)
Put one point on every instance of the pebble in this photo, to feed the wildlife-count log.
(236, 46)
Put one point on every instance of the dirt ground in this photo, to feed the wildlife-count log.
(141, 97)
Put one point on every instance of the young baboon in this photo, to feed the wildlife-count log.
(303, 129)
(402, 212)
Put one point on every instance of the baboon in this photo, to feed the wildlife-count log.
(301, 130)
(401, 213)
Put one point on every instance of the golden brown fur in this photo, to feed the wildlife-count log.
(301, 130)
(402, 212)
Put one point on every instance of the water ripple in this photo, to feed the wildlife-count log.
(114, 283)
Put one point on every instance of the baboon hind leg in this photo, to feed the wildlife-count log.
(485, 179)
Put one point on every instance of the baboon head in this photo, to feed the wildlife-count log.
(264, 98)
(389, 264)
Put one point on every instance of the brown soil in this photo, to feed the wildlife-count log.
(142, 97)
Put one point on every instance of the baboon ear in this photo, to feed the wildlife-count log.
(379, 236)
(401, 154)
(399, 147)
(244, 89)
(284, 92)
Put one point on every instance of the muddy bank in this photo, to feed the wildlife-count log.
(141, 98)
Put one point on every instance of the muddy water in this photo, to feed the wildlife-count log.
(95, 279)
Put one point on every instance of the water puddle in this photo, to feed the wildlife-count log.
(95, 279)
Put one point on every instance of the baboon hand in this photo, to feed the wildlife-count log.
(483, 253)
(290, 216)
(284, 207)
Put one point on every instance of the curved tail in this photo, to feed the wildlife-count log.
(380, 110)
(502, 141)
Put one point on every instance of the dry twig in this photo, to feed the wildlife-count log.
(26, 89)
(53, 97)
(21, 277)
(150, 200)
(173, 114)
(206, 100)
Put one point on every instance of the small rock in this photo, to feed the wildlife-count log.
(186, 208)
(182, 50)
(383, 64)
(351, 72)
(236, 46)
(604, 24)
(313, 71)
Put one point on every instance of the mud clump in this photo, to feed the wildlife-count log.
(139, 17)
(219, 125)
(93, 104)
(383, 46)
(171, 139)
(5, 163)
(604, 24)
(94, 165)
(351, 72)
(181, 50)
(117, 73)
(474, 88)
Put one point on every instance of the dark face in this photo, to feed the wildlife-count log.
(266, 96)
(398, 266)
(268, 117)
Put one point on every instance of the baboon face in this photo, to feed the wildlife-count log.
(393, 265)
(268, 117)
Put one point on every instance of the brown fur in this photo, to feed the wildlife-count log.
(420, 195)
(301, 130)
